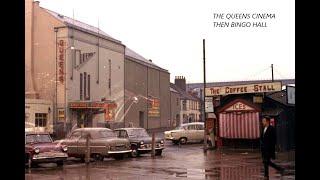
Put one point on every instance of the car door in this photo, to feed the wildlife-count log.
(191, 133)
(199, 132)
(72, 142)
(82, 146)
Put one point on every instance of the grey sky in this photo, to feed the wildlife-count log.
(170, 32)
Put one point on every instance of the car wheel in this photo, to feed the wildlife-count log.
(134, 152)
(158, 152)
(82, 159)
(59, 163)
(183, 140)
(119, 156)
(98, 157)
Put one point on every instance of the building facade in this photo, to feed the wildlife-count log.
(147, 96)
(89, 77)
(189, 104)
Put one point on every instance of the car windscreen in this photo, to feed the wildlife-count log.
(104, 134)
(38, 138)
(137, 133)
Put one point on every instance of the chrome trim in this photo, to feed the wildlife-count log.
(150, 149)
(117, 152)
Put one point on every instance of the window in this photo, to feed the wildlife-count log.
(75, 135)
(122, 134)
(199, 127)
(88, 86)
(81, 86)
(85, 85)
(191, 127)
(41, 120)
(184, 105)
(177, 101)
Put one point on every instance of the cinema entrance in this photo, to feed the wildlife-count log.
(92, 114)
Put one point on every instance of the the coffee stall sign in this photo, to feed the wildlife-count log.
(61, 60)
(243, 89)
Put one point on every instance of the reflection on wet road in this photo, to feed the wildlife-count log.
(188, 161)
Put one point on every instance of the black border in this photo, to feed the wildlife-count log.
(12, 96)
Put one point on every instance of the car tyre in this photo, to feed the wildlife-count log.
(98, 157)
(183, 140)
(59, 163)
(134, 152)
(158, 152)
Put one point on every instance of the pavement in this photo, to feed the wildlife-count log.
(177, 162)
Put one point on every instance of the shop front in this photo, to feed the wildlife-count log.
(239, 123)
(92, 114)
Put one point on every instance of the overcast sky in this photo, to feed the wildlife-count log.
(170, 32)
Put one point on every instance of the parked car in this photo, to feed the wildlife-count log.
(39, 148)
(189, 132)
(103, 143)
(140, 141)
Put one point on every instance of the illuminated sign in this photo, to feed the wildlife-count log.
(154, 108)
(61, 60)
(243, 89)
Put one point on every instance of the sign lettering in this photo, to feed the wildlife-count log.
(61, 58)
(242, 89)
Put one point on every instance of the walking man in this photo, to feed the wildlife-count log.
(268, 143)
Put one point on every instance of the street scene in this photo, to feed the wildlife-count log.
(148, 102)
(185, 161)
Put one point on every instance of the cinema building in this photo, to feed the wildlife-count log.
(88, 78)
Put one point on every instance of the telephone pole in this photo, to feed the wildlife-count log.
(272, 72)
(204, 98)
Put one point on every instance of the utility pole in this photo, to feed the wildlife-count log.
(272, 72)
(204, 98)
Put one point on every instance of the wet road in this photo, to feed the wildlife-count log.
(187, 161)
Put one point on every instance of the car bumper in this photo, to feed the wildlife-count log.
(49, 157)
(150, 149)
(170, 138)
(120, 152)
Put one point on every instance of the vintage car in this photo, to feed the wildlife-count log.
(140, 141)
(103, 143)
(39, 148)
(189, 132)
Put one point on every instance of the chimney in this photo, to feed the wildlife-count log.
(180, 81)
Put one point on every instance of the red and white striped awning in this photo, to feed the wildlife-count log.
(239, 125)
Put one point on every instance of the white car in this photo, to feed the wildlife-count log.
(189, 132)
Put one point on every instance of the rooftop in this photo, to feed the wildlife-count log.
(183, 94)
(132, 55)
(80, 25)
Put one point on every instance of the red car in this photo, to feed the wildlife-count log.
(39, 148)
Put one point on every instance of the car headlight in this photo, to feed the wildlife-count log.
(65, 148)
(36, 150)
(161, 141)
(141, 142)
